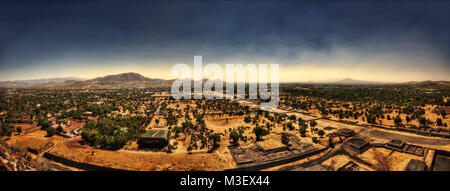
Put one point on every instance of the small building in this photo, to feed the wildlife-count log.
(398, 144)
(345, 132)
(357, 145)
(154, 138)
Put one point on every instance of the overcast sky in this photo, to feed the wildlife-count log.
(311, 40)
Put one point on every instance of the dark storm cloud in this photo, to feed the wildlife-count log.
(46, 32)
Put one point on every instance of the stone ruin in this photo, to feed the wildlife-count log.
(404, 147)
(350, 166)
(441, 161)
(262, 155)
(396, 144)
(344, 132)
(416, 165)
(357, 145)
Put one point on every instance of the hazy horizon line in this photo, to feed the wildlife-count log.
(308, 81)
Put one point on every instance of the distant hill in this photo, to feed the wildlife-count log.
(346, 81)
(124, 77)
(135, 80)
(46, 82)
(124, 80)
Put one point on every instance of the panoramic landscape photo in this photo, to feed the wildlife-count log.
(224, 86)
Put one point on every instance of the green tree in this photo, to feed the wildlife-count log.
(259, 132)
(321, 133)
(397, 120)
(290, 126)
(293, 117)
(313, 123)
(247, 119)
(216, 139)
(50, 132)
(6, 130)
(408, 119)
(423, 121)
(439, 122)
(234, 135)
(303, 131)
(285, 137)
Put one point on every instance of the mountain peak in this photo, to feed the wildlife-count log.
(124, 77)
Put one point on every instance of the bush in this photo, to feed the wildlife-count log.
(439, 122)
(235, 136)
(50, 132)
(290, 126)
(423, 121)
(397, 120)
(6, 130)
(215, 137)
(321, 133)
(303, 131)
(312, 123)
(247, 119)
(285, 137)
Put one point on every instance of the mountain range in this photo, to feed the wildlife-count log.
(346, 81)
(135, 80)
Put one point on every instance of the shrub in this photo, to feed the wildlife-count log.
(321, 133)
(234, 136)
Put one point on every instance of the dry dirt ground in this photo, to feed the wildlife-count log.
(143, 160)
(221, 159)
(338, 161)
(129, 160)
(397, 161)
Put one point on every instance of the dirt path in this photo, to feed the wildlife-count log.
(385, 135)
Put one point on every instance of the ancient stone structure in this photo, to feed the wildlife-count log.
(441, 161)
(398, 144)
(350, 166)
(345, 132)
(154, 138)
(404, 147)
(357, 145)
(416, 165)
(259, 155)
